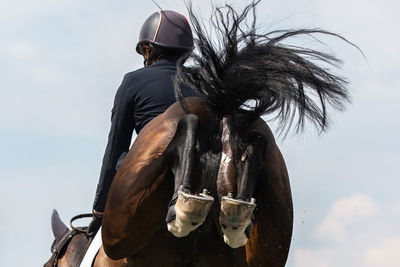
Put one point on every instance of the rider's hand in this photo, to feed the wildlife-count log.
(95, 224)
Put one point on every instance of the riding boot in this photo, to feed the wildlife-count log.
(94, 225)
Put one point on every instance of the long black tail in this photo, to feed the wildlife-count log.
(242, 67)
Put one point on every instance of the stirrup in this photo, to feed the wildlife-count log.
(79, 229)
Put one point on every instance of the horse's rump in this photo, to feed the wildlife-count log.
(144, 186)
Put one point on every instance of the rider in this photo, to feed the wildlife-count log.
(143, 94)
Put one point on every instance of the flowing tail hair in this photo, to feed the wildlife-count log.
(244, 74)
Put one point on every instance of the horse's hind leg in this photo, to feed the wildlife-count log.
(236, 214)
(253, 167)
(186, 212)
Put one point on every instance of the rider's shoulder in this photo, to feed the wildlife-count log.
(162, 68)
(134, 74)
(144, 71)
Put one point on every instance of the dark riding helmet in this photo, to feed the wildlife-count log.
(168, 29)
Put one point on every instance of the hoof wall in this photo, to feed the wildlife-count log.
(191, 211)
(235, 218)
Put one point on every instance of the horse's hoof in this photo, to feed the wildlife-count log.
(235, 220)
(191, 211)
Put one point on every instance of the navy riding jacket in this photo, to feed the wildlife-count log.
(142, 95)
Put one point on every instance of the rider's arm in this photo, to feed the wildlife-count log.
(119, 139)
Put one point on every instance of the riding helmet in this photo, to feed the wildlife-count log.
(168, 29)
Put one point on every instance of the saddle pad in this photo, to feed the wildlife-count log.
(92, 250)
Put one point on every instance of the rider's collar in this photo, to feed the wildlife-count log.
(163, 61)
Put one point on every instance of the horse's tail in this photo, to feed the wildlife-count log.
(245, 74)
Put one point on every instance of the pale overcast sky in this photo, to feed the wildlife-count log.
(61, 62)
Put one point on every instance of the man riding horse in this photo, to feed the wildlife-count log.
(212, 154)
(144, 94)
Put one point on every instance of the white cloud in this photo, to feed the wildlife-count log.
(386, 254)
(308, 258)
(344, 213)
(362, 234)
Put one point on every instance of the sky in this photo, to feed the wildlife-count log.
(61, 62)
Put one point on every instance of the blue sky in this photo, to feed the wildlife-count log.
(62, 61)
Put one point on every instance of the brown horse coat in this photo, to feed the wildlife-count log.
(134, 222)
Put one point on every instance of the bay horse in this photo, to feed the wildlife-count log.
(134, 229)
(204, 183)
